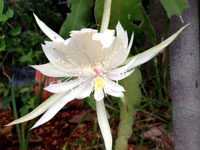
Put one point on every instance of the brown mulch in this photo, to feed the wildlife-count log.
(54, 134)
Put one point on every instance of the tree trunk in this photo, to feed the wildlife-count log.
(185, 79)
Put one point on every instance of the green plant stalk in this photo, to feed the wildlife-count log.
(125, 126)
(15, 113)
(32, 121)
(158, 81)
(106, 15)
(29, 134)
(23, 137)
(131, 100)
(95, 131)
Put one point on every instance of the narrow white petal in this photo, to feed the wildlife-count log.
(143, 59)
(115, 93)
(114, 86)
(65, 86)
(98, 95)
(122, 54)
(50, 33)
(50, 70)
(131, 42)
(52, 111)
(124, 68)
(103, 124)
(119, 76)
(39, 110)
(111, 91)
(152, 52)
(122, 35)
(116, 54)
(85, 93)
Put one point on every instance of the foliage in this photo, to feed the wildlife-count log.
(3, 19)
(79, 17)
(175, 7)
(21, 39)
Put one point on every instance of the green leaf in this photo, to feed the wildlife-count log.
(9, 14)
(3, 17)
(1, 6)
(6, 102)
(91, 101)
(2, 36)
(24, 90)
(15, 31)
(2, 46)
(79, 17)
(174, 7)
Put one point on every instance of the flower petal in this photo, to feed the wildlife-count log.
(119, 76)
(38, 110)
(103, 124)
(65, 86)
(124, 68)
(50, 70)
(121, 34)
(86, 93)
(50, 33)
(150, 53)
(52, 111)
(98, 95)
(55, 56)
(114, 93)
(118, 53)
(131, 42)
(114, 86)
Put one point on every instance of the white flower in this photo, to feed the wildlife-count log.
(90, 62)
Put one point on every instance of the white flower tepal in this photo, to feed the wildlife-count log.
(93, 62)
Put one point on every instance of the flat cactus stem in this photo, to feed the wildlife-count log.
(127, 106)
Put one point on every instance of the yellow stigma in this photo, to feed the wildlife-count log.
(99, 83)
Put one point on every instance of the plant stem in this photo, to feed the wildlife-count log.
(127, 105)
(23, 137)
(106, 15)
(15, 113)
(125, 126)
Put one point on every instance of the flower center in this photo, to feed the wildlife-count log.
(96, 73)
(99, 83)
